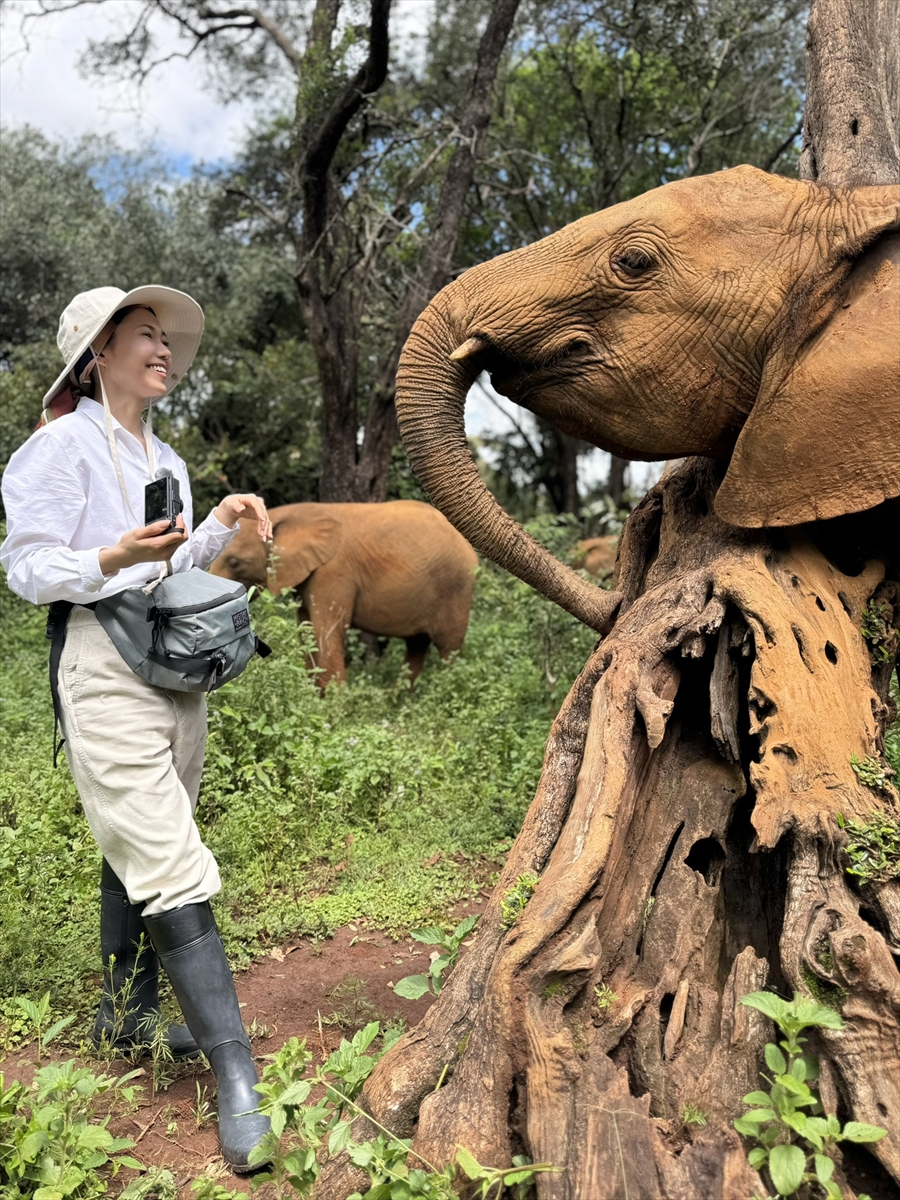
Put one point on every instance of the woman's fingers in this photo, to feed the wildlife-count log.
(257, 507)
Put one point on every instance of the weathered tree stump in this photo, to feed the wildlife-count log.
(685, 835)
(685, 829)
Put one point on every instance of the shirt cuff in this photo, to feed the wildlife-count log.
(213, 525)
(92, 577)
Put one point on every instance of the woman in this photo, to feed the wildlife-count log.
(74, 497)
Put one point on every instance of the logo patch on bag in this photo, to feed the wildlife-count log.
(241, 620)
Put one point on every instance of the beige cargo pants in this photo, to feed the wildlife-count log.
(136, 754)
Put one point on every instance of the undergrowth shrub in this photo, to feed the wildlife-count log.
(374, 801)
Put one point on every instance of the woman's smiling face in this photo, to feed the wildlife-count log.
(136, 359)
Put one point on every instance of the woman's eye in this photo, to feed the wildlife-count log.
(632, 262)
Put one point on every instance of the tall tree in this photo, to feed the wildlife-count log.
(690, 835)
(310, 181)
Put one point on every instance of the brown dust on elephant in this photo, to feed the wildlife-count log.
(397, 569)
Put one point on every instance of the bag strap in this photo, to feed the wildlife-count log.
(57, 619)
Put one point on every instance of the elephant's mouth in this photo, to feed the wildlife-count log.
(517, 376)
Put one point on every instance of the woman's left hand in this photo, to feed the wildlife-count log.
(235, 508)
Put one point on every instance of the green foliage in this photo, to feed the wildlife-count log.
(882, 638)
(794, 1136)
(873, 847)
(373, 802)
(872, 772)
(353, 1007)
(54, 1146)
(604, 999)
(312, 1113)
(37, 1016)
(516, 898)
(413, 986)
(692, 1114)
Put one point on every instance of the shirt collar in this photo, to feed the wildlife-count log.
(94, 410)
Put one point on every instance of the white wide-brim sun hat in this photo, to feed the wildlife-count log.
(83, 320)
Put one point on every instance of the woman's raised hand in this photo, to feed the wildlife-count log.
(149, 543)
(234, 508)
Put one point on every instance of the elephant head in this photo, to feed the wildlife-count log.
(709, 317)
(303, 539)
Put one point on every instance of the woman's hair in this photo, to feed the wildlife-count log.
(87, 388)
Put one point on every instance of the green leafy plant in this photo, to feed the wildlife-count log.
(201, 1110)
(411, 987)
(794, 1136)
(604, 999)
(692, 1114)
(157, 1183)
(353, 1008)
(54, 1143)
(873, 848)
(37, 1015)
(873, 772)
(883, 639)
(207, 1189)
(305, 1132)
(515, 900)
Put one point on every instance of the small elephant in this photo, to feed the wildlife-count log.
(597, 555)
(397, 569)
(743, 316)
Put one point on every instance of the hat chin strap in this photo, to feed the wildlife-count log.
(164, 567)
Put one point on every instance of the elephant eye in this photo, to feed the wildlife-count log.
(631, 262)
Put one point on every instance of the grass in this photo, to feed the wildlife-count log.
(321, 810)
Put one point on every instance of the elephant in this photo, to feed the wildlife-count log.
(597, 555)
(741, 316)
(397, 569)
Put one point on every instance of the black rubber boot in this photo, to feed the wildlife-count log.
(128, 1016)
(193, 956)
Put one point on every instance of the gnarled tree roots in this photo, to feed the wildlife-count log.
(686, 839)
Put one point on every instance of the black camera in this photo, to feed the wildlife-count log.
(162, 499)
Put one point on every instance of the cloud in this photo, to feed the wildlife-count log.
(175, 110)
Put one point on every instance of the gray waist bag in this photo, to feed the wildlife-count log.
(191, 633)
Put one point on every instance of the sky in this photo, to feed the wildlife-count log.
(177, 113)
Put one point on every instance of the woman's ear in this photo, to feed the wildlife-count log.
(823, 438)
(299, 548)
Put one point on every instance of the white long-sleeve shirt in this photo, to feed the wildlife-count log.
(63, 506)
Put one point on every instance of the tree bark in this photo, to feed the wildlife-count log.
(686, 837)
(616, 483)
(435, 264)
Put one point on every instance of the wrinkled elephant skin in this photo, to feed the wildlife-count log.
(739, 315)
(397, 569)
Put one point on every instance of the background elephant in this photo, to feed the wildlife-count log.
(739, 315)
(397, 569)
(597, 555)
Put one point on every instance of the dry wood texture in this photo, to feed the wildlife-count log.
(686, 837)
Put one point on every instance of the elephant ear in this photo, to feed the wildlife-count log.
(823, 438)
(300, 547)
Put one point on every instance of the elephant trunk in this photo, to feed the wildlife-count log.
(431, 396)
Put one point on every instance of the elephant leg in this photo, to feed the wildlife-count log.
(330, 612)
(416, 649)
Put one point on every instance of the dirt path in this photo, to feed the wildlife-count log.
(347, 981)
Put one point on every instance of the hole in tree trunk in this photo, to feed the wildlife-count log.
(854, 127)
(707, 857)
(665, 1011)
(871, 918)
(865, 1173)
(831, 653)
(753, 895)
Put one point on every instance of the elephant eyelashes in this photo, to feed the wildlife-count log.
(632, 262)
